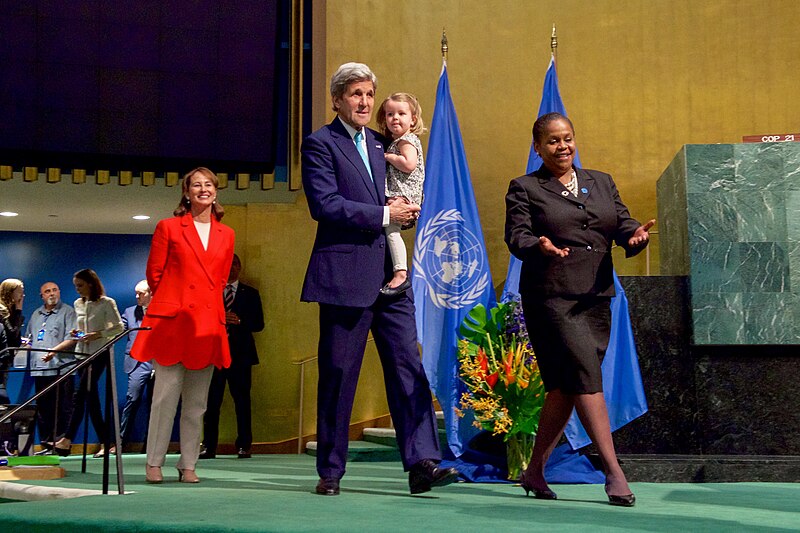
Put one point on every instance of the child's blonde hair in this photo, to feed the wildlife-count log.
(417, 126)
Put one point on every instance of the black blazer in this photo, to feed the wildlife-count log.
(247, 305)
(538, 205)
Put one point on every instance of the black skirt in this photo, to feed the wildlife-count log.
(569, 337)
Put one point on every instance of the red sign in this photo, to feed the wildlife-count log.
(782, 138)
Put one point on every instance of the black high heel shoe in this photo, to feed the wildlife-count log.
(62, 452)
(65, 449)
(628, 500)
(539, 494)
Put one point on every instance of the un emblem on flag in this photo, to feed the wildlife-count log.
(451, 261)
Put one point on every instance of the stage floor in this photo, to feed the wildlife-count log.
(275, 493)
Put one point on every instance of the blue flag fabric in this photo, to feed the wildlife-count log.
(551, 103)
(622, 380)
(451, 269)
(623, 389)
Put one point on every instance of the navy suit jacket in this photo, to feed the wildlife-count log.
(537, 204)
(247, 306)
(348, 262)
(129, 321)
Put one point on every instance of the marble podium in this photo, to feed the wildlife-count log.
(718, 333)
(729, 218)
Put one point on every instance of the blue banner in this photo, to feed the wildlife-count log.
(551, 103)
(622, 379)
(451, 268)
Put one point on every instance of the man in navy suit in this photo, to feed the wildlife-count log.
(344, 176)
(244, 316)
(139, 374)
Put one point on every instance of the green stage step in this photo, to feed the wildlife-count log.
(440, 419)
(362, 451)
(388, 436)
(385, 436)
(379, 444)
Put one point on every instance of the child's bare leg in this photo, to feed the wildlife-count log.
(397, 249)
(399, 277)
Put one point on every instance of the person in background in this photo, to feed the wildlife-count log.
(5, 359)
(561, 222)
(50, 325)
(244, 316)
(12, 295)
(190, 258)
(97, 320)
(140, 373)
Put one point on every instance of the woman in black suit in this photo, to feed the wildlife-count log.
(560, 222)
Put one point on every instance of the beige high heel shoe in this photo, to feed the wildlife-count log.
(152, 474)
(187, 476)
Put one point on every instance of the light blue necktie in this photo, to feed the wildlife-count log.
(358, 138)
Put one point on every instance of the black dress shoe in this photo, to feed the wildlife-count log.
(243, 454)
(426, 474)
(386, 290)
(206, 454)
(328, 486)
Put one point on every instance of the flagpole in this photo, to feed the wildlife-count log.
(554, 44)
(444, 47)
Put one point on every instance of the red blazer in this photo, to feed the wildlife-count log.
(187, 313)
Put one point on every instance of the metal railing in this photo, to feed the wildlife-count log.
(111, 415)
(302, 364)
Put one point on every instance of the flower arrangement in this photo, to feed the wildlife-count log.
(504, 388)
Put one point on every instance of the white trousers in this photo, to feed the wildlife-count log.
(175, 383)
(397, 248)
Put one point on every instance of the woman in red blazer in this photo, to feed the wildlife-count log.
(190, 258)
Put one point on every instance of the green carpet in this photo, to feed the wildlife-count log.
(274, 493)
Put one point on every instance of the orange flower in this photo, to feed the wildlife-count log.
(510, 377)
(483, 360)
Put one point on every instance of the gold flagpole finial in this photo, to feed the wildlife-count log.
(553, 40)
(444, 45)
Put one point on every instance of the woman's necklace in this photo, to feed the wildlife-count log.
(572, 185)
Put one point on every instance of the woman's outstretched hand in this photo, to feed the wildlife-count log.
(641, 235)
(548, 248)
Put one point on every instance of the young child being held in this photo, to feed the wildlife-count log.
(400, 118)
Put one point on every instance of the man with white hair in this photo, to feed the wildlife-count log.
(344, 178)
(50, 325)
(139, 374)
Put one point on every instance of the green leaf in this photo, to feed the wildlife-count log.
(479, 322)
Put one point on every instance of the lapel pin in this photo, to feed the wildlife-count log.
(564, 193)
(584, 190)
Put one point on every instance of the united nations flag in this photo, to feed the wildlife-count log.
(451, 272)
